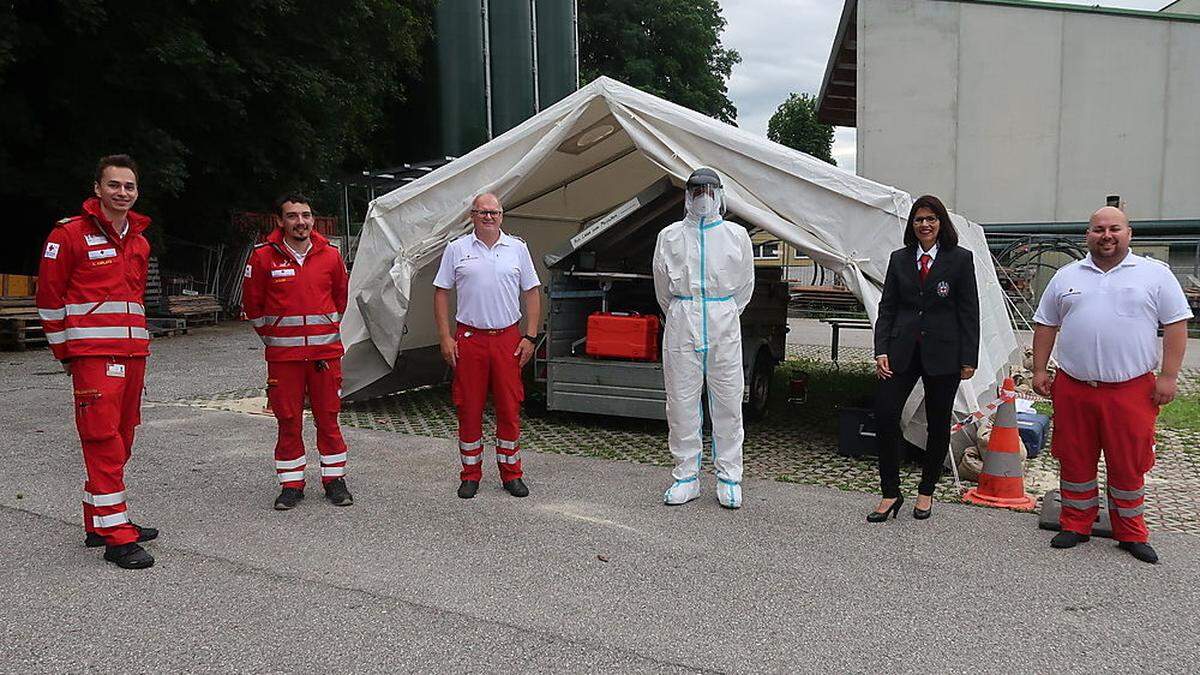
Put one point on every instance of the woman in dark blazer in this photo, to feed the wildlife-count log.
(927, 329)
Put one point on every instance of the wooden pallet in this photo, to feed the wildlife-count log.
(18, 333)
(166, 326)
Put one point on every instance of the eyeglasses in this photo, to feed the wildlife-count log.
(486, 213)
(925, 219)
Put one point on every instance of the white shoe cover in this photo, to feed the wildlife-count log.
(682, 492)
(729, 494)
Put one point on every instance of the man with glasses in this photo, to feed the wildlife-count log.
(294, 294)
(491, 273)
(1105, 312)
(91, 286)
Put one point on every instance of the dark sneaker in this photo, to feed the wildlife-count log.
(467, 489)
(516, 487)
(128, 556)
(1068, 539)
(336, 492)
(94, 540)
(1140, 550)
(288, 498)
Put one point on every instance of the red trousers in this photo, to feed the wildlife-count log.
(1118, 418)
(108, 401)
(287, 383)
(486, 363)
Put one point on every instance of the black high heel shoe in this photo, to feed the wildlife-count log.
(893, 511)
(922, 514)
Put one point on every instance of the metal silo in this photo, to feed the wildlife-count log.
(501, 61)
(461, 46)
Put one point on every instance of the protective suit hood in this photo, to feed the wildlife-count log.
(704, 198)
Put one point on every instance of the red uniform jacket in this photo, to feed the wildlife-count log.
(91, 286)
(296, 309)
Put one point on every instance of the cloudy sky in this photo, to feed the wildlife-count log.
(785, 45)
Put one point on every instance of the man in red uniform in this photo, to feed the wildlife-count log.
(91, 286)
(294, 293)
(1105, 311)
(491, 272)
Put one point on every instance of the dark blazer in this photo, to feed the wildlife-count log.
(943, 311)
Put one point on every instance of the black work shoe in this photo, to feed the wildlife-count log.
(288, 498)
(1140, 550)
(129, 556)
(516, 487)
(336, 492)
(1068, 539)
(94, 540)
(467, 489)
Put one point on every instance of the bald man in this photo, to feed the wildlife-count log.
(1105, 311)
(492, 274)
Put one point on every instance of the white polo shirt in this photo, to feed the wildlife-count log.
(489, 281)
(1108, 321)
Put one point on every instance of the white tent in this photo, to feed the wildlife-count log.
(597, 148)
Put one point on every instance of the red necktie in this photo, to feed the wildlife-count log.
(925, 266)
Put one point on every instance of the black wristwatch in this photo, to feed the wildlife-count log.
(532, 339)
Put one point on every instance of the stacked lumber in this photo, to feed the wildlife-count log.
(197, 309)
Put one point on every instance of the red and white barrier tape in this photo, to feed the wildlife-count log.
(1005, 396)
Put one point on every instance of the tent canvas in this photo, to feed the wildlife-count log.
(591, 151)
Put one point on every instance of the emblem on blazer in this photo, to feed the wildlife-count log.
(943, 289)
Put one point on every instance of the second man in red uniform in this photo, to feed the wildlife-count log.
(294, 294)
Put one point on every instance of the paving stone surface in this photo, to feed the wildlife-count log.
(796, 443)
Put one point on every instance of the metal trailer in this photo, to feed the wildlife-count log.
(607, 267)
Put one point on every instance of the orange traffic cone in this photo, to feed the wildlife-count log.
(1002, 481)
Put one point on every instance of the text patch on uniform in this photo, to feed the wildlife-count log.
(284, 272)
(100, 254)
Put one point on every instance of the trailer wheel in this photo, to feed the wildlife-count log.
(760, 386)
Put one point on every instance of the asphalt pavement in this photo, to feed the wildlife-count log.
(589, 573)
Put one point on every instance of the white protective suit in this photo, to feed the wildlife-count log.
(703, 279)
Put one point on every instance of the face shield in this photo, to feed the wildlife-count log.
(704, 199)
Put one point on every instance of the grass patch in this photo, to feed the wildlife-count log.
(829, 390)
(1183, 413)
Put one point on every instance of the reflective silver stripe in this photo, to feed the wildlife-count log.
(283, 341)
(333, 459)
(289, 476)
(263, 321)
(139, 333)
(1127, 513)
(110, 499)
(324, 339)
(106, 332)
(1126, 494)
(470, 446)
(110, 520)
(290, 321)
(317, 320)
(508, 459)
(507, 445)
(57, 337)
(110, 307)
(333, 471)
(1082, 504)
(1007, 464)
(52, 314)
(290, 463)
(1077, 487)
(471, 459)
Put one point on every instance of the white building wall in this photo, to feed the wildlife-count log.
(1022, 114)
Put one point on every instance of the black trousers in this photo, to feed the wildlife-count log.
(889, 403)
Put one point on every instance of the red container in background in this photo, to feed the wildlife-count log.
(623, 335)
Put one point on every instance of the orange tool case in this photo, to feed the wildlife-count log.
(623, 335)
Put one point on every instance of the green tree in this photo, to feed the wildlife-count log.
(795, 125)
(224, 103)
(670, 48)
